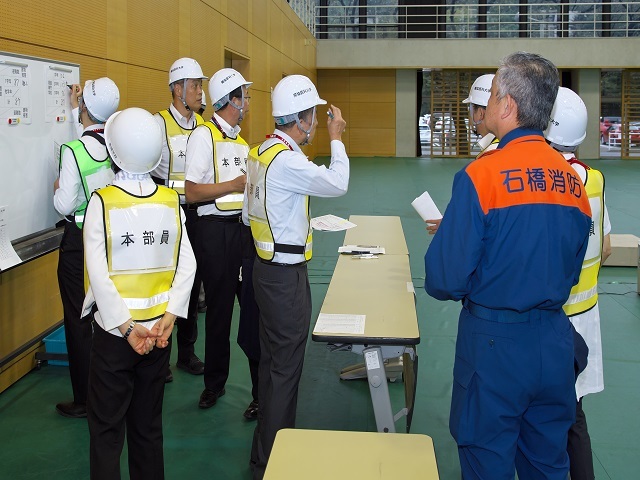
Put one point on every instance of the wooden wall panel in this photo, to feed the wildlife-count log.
(238, 11)
(116, 30)
(371, 142)
(206, 32)
(237, 39)
(372, 114)
(367, 99)
(373, 86)
(153, 38)
(141, 82)
(259, 25)
(58, 24)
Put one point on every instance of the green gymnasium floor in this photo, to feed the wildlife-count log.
(38, 443)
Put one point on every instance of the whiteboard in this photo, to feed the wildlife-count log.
(35, 119)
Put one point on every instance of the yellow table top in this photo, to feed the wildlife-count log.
(381, 231)
(327, 454)
(380, 288)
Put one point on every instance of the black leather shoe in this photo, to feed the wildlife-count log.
(208, 398)
(169, 377)
(251, 413)
(72, 410)
(194, 366)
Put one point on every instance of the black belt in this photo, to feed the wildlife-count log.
(277, 264)
(222, 218)
(70, 218)
(495, 315)
(158, 181)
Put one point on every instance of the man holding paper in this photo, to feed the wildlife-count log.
(510, 247)
(427, 209)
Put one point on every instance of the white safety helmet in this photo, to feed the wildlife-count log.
(222, 84)
(480, 90)
(568, 124)
(203, 100)
(294, 94)
(185, 68)
(134, 140)
(101, 97)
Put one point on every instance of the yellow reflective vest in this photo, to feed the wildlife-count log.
(143, 236)
(177, 137)
(229, 162)
(257, 171)
(584, 295)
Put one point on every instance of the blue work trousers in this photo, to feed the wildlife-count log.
(513, 395)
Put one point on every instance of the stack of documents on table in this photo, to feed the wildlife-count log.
(331, 223)
(340, 323)
(361, 250)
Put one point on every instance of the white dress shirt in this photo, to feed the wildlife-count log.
(199, 163)
(292, 177)
(162, 170)
(112, 310)
(70, 195)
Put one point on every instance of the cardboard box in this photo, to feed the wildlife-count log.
(624, 251)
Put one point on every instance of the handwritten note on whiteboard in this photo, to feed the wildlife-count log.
(15, 100)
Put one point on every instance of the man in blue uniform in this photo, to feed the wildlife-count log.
(510, 247)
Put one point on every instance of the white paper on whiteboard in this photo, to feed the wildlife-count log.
(426, 207)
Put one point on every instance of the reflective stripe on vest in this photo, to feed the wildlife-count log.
(143, 236)
(257, 171)
(584, 295)
(229, 162)
(94, 174)
(177, 137)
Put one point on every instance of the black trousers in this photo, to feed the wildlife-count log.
(219, 254)
(284, 298)
(248, 328)
(126, 391)
(579, 448)
(77, 330)
(187, 328)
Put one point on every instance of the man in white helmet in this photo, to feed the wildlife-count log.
(140, 267)
(84, 166)
(215, 179)
(478, 98)
(177, 123)
(566, 131)
(280, 181)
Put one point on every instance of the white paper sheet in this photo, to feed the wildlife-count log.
(426, 207)
(340, 323)
(331, 223)
(8, 256)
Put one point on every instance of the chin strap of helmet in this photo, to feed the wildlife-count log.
(184, 94)
(306, 132)
(239, 108)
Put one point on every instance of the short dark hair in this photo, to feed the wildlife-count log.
(305, 115)
(532, 81)
(236, 93)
